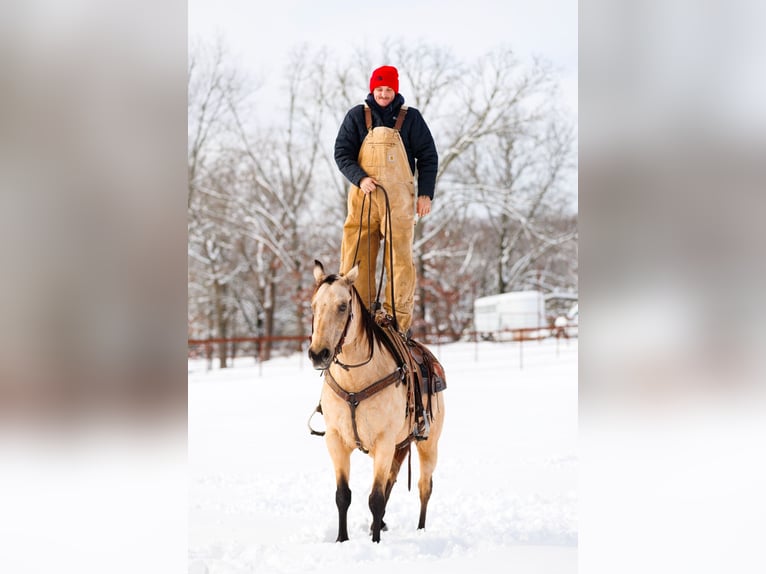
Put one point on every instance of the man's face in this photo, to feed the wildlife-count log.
(383, 95)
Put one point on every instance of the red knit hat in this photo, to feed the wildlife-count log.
(385, 76)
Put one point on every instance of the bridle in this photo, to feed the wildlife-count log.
(339, 347)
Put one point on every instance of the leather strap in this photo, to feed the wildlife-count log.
(353, 399)
(400, 118)
(368, 117)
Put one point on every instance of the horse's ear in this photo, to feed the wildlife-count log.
(352, 275)
(318, 271)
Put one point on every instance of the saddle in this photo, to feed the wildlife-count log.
(424, 372)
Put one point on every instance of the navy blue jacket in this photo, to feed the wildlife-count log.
(417, 139)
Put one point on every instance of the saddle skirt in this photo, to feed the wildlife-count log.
(424, 369)
(433, 379)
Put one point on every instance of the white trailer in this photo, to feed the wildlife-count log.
(509, 312)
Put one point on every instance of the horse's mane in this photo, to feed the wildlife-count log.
(373, 331)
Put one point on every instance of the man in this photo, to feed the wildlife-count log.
(380, 145)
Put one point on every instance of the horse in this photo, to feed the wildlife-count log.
(366, 398)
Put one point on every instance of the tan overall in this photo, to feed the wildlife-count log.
(384, 158)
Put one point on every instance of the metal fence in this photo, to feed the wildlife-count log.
(264, 348)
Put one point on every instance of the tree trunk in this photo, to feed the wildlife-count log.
(299, 296)
(422, 303)
(221, 322)
(269, 322)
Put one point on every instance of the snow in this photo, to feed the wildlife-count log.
(262, 492)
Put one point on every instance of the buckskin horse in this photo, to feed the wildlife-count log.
(368, 398)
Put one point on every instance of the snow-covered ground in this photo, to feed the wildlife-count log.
(262, 492)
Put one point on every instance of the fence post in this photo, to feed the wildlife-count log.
(300, 355)
(209, 354)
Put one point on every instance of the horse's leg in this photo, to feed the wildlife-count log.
(427, 455)
(382, 461)
(341, 459)
(427, 459)
(396, 464)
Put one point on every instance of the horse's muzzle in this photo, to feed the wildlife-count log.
(322, 359)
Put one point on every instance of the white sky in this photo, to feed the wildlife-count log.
(261, 37)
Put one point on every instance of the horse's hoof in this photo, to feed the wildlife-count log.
(383, 527)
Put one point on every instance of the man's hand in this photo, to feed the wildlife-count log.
(368, 184)
(424, 205)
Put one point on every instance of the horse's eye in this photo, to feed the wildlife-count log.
(342, 308)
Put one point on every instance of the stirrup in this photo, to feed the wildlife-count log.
(317, 410)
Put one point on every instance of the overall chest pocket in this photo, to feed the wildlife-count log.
(383, 155)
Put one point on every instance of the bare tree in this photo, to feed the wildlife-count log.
(505, 155)
(525, 182)
(279, 179)
(214, 90)
(265, 201)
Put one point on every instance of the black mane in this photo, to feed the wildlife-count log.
(374, 331)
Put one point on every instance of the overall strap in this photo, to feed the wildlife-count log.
(400, 118)
(368, 117)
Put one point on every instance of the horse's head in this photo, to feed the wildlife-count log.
(331, 308)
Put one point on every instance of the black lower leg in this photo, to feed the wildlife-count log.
(396, 464)
(378, 508)
(424, 497)
(342, 501)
